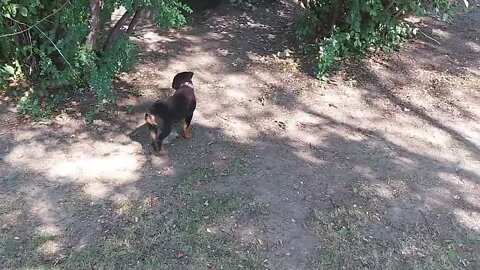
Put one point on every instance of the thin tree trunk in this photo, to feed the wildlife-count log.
(136, 17)
(113, 32)
(92, 36)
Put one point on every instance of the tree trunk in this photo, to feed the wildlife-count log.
(113, 32)
(136, 17)
(92, 36)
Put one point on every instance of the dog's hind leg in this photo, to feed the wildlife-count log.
(164, 132)
(153, 139)
(186, 132)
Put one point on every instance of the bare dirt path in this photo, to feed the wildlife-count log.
(378, 168)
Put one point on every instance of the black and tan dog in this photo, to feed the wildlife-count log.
(162, 114)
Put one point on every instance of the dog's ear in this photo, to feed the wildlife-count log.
(150, 119)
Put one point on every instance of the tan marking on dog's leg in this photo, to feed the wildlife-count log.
(186, 133)
(153, 137)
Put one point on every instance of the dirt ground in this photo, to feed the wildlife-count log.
(378, 168)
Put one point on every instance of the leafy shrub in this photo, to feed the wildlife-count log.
(46, 46)
(335, 28)
(38, 105)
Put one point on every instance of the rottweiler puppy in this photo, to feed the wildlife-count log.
(162, 114)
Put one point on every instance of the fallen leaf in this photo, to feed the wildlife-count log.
(179, 254)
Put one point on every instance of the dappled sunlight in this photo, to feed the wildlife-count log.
(96, 190)
(309, 157)
(81, 162)
(469, 219)
(207, 62)
(472, 199)
(384, 191)
(240, 130)
(399, 161)
(474, 46)
(154, 37)
(45, 211)
(50, 249)
(117, 167)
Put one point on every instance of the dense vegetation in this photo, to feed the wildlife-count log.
(335, 28)
(50, 49)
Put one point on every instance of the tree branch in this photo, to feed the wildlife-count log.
(136, 17)
(113, 32)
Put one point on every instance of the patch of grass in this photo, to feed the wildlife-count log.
(192, 228)
(328, 257)
(196, 179)
(266, 97)
(92, 115)
(236, 166)
(188, 236)
(129, 109)
(42, 238)
(347, 241)
(299, 91)
(24, 251)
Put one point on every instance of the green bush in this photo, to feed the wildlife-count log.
(45, 46)
(335, 28)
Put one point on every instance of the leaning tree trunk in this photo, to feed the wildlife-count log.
(113, 32)
(136, 17)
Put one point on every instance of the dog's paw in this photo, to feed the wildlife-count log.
(187, 133)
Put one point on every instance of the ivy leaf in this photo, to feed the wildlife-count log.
(23, 11)
(444, 17)
(13, 9)
(9, 69)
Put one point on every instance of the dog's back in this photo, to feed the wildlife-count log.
(184, 101)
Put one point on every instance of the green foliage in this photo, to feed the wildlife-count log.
(169, 13)
(335, 28)
(91, 115)
(38, 106)
(43, 45)
(115, 60)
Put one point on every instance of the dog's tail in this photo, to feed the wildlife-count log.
(150, 119)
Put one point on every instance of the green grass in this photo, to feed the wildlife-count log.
(189, 236)
(347, 243)
(236, 166)
(192, 232)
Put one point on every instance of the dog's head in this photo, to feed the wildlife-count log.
(182, 78)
